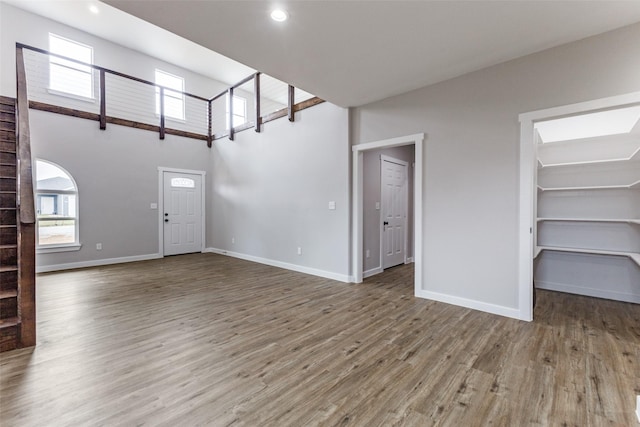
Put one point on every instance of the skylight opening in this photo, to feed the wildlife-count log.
(602, 123)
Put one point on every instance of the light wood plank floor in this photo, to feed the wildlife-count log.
(208, 340)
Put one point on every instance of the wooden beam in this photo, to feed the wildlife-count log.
(112, 120)
(291, 101)
(103, 101)
(256, 100)
(161, 113)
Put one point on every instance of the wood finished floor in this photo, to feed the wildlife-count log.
(209, 340)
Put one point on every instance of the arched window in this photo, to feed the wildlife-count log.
(56, 207)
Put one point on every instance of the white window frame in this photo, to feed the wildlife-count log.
(242, 116)
(56, 63)
(172, 93)
(60, 247)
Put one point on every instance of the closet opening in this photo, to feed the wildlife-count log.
(585, 205)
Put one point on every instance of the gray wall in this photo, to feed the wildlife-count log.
(371, 195)
(270, 191)
(117, 176)
(470, 208)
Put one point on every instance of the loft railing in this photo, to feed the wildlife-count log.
(129, 101)
(26, 215)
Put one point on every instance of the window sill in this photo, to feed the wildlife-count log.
(58, 248)
(91, 100)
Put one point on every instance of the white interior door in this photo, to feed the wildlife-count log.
(394, 211)
(182, 216)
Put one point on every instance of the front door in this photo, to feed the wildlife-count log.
(182, 216)
(394, 211)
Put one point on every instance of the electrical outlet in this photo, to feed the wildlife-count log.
(98, 246)
(368, 253)
(233, 240)
(299, 250)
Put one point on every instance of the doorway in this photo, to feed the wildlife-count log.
(181, 211)
(588, 198)
(358, 252)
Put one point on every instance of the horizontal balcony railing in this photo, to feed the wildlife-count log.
(118, 98)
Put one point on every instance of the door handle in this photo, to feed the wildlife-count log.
(166, 214)
(385, 223)
(166, 220)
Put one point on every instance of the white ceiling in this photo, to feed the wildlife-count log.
(349, 52)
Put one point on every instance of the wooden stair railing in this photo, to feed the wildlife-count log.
(17, 220)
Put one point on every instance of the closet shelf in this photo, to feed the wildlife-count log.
(634, 256)
(622, 221)
(633, 186)
(634, 156)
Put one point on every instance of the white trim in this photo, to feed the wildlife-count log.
(473, 304)
(161, 171)
(372, 272)
(581, 290)
(58, 248)
(294, 267)
(638, 407)
(409, 260)
(384, 158)
(528, 191)
(357, 211)
(95, 263)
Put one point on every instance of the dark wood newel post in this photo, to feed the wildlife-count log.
(103, 102)
(231, 132)
(256, 100)
(291, 99)
(161, 112)
(209, 124)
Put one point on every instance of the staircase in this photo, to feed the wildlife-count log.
(9, 320)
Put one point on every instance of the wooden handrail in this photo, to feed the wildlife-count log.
(106, 70)
(25, 178)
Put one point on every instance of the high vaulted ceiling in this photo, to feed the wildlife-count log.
(355, 52)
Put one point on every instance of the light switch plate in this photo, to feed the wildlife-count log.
(377, 206)
(332, 205)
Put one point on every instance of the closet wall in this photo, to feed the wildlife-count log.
(588, 215)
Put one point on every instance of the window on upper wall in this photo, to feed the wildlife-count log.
(56, 208)
(173, 95)
(66, 76)
(239, 111)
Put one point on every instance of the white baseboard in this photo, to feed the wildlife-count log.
(638, 408)
(372, 272)
(468, 303)
(294, 267)
(409, 260)
(590, 292)
(94, 263)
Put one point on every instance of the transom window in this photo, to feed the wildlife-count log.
(239, 111)
(67, 76)
(173, 99)
(56, 207)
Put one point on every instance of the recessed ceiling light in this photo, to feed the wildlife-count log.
(279, 15)
(94, 9)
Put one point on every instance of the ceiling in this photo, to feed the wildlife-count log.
(348, 52)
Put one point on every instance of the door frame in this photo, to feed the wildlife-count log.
(161, 171)
(406, 205)
(528, 184)
(357, 209)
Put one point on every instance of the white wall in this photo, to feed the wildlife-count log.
(471, 155)
(371, 195)
(270, 191)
